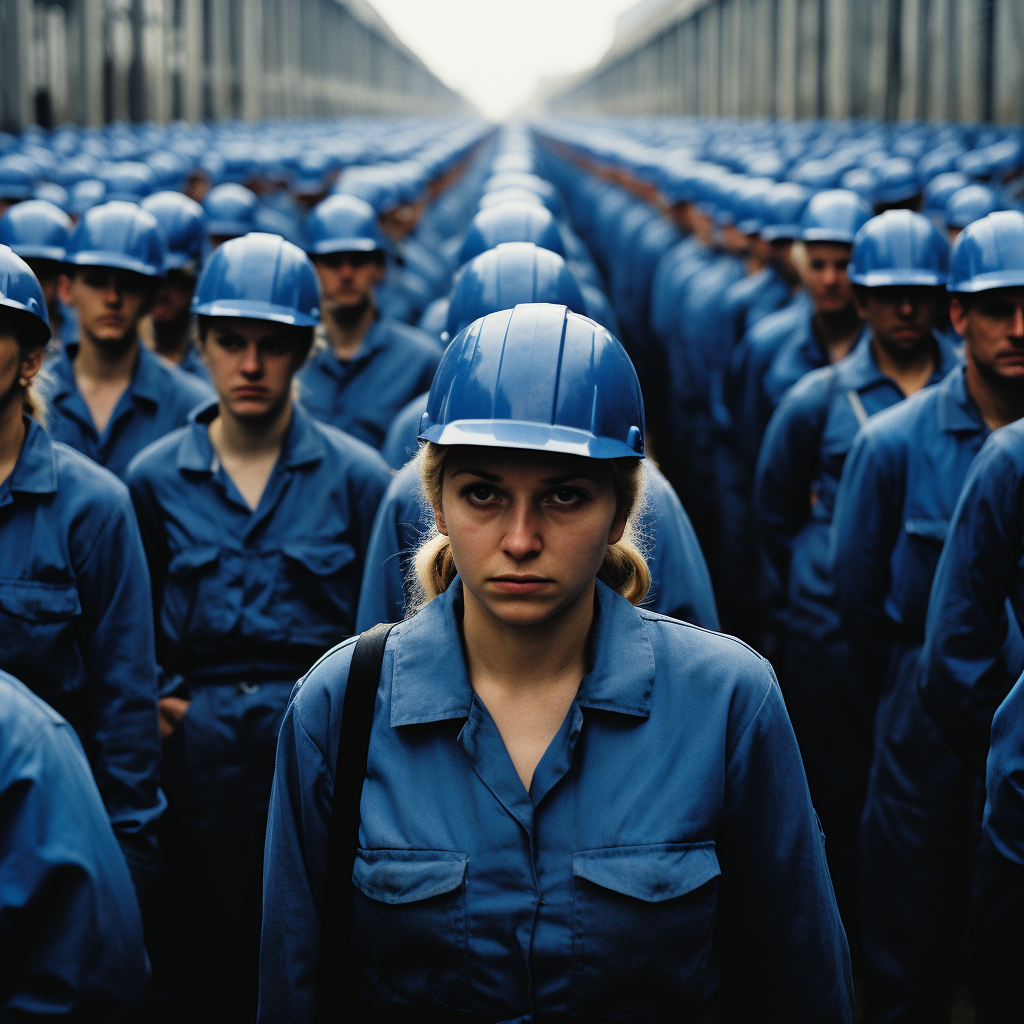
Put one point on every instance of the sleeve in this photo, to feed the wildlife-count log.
(782, 945)
(118, 642)
(865, 527)
(368, 495)
(70, 928)
(966, 676)
(1004, 778)
(296, 846)
(786, 470)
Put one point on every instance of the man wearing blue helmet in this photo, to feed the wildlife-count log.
(365, 368)
(255, 520)
(109, 395)
(533, 799)
(898, 266)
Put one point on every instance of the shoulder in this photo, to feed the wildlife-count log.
(774, 326)
(23, 715)
(158, 459)
(86, 491)
(902, 424)
(410, 338)
(189, 389)
(357, 457)
(811, 393)
(1006, 447)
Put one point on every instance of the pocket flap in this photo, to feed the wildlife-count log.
(322, 558)
(405, 876)
(189, 559)
(40, 602)
(650, 873)
(930, 529)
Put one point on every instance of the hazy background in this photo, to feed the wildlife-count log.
(495, 52)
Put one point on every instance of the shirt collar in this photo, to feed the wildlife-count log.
(957, 411)
(374, 339)
(35, 471)
(860, 369)
(303, 445)
(430, 682)
(147, 383)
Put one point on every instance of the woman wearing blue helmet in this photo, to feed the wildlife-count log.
(549, 803)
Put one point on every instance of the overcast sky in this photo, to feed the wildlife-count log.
(494, 51)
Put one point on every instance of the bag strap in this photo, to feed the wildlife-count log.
(338, 977)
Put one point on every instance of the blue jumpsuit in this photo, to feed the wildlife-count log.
(76, 622)
(680, 584)
(898, 491)
(245, 601)
(157, 401)
(363, 395)
(70, 929)
(798, 473)
(666, 855)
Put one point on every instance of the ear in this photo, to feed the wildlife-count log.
(31, 364)
(64, 289)
(442, 526)
(958, 317)
(859, 304)
(618, 527)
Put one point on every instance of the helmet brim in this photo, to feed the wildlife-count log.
(904, 278)
(988, 282)
(33, 321)
(115, 261)
(541, 437)
(353, 244)
(57, 253)
(248, 309)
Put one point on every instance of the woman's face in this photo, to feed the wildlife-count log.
(528, 530)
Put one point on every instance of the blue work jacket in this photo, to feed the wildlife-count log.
(157, 401)
(363, 395)
(674, 270)
(666, 853)
(899, 487)
(402, 440)
(1004, 777)
(680, 582)
(70, 928)
(798, 473)
(968, 634)
(750, 299)
(254, 595)
(76, 623)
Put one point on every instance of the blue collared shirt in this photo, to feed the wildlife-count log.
(665, 854)
(363, 395)
(1004, 778)
(157, 401)
(798, 473)
(76, 624)
(254, 595)
(971, 654)
(71, 944)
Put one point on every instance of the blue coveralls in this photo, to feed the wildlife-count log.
(666, 854)
(157, 401)
(70, 929)
(680, 584)
(77, 624)
(898, 491)
(246, 600)
(798, 473)
(363, 395)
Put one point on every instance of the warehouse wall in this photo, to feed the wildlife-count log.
(94, 61)
(957, 60)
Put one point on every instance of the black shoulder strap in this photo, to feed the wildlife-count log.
(337, 978)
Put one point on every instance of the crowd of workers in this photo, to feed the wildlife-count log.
(219, 395)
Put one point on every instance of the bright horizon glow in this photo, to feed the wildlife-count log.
(496, 51)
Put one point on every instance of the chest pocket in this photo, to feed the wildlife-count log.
(643, 918)
(318, 589)
(410, 913)
(192, 600)
(929, 531)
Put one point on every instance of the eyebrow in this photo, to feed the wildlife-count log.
(551, 481)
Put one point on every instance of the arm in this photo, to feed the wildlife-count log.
(1004, 779)
(782, 946)
(966, 676)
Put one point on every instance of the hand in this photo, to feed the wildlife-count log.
(172, 710)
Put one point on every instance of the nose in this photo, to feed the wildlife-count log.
(112, 293)
(252, 365)
(522, 536)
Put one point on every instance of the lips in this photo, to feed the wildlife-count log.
(519, 584)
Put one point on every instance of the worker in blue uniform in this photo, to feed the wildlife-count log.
(364, 367)
(71, 943)
(898, 267)
(170, 317)
(255, 519)
(898, 491)
(995, 940)
(571, 806)
(109, 395)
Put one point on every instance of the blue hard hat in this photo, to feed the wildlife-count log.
(36, 229)
(896, 180)
(52, 193)
(538, 377)
(861, 180)
(184, 226)
(834, 216)
(511, 222)
(230, 210)
(507, 275)
(343, 223)
(259, 276)
(969, 204)
(989, 253)
(749, 207)
(119, 234)
(783, 206)
(940, 188)
(129, 180)
(17, 176)
(899, 247)
(21, 291)
(85, 195)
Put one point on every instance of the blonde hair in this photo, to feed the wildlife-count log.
(624, 568)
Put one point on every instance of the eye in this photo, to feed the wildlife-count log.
(275, 347)
(563, 496)
(480, 494)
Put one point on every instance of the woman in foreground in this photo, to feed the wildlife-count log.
(572, 807)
